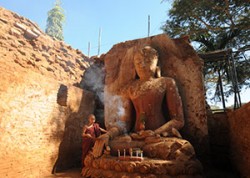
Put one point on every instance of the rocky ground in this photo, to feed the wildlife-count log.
(210, 173)
(72, 173)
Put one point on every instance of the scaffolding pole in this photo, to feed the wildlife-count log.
(148, 25)
(99, 42)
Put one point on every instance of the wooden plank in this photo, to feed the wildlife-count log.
(98, 148)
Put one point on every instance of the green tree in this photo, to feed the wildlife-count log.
(215, 25)
(55, 20)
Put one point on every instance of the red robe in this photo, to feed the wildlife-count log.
(87, 142)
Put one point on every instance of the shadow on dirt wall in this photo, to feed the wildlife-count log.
(68, 129)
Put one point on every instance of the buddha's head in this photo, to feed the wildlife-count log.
(145, 61)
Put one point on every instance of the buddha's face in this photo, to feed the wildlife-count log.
(145, 62)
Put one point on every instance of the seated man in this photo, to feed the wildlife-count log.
(89, 134)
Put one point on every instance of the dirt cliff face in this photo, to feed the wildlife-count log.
(37, 133)
(23, 43)
(240, 139)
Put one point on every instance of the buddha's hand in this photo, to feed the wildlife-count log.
(101, 142)
(142, 134)
(170, 128)
(172, 133)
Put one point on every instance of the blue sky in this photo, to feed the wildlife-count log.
(119, 20)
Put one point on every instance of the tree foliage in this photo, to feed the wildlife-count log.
(215, 25)
(55, 20)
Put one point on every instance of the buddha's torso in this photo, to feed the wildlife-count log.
(147, 98)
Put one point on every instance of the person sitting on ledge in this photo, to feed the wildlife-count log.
(90, 132)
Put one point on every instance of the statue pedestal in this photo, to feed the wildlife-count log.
(129, 158)
(109, 166)
(171, 157)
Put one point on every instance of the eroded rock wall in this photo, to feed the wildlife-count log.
(240, 139)
(24, 43)
(40, 124)
(35, 130)
(219, 139)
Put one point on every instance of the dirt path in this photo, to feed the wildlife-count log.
(72, 173)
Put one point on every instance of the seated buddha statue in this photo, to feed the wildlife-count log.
(152, 95)
(158, 119)
(155, 99)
